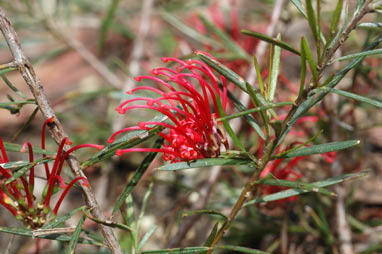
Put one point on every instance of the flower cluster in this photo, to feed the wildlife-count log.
(193, 132)
(16, 192)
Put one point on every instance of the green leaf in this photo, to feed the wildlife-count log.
(227, 41)
(312, 21)
(312, 100)
(187, 250)
(274, 72)
(303, 70)
(146, 237)
(188, 31)
(256, 102)
(240, 82)
(74, 240)
(241, 249)
(276, 42)
(11, 86)
(212, 235)
(12, 147)
(223, 70)
(296, 185)
(108, 223)
(205, 211)
(132, 139)
(335, 19)
(364, 54)
(309, 57)
(373, 26)
(338, 34)
(205, 163)
(296, 192)
(298, 5)
(352, 96)
(17, 165)
(137, 175)
(227, 127)
(24, 169)
(195, 250)
(253, 110)
(322, 148)
(53, 236)
(58, 221)
(258, 75)
(145, 201)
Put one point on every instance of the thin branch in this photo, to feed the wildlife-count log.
(367, 7)
(56, 129)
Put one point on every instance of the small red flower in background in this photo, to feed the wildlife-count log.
(185, 97)
(17, 195)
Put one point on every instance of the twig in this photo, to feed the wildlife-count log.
(367, 7)
(269, 149)
(251, 77)
(56, 129)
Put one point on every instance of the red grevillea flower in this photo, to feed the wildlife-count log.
(17, 195)
(188, 97)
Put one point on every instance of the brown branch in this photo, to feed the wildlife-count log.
(56, 130)
(367, 7)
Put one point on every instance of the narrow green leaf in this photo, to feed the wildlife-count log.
(137, 175)
(212, 235)
(205, 163)
(309, 57)
(296, 185)
(352, 96)
(108, 223)
(188, 31)
(53, 236)
(223, 70)
(12, 147)
(373, 26)
(335, 19)
(17, 165)
(303, 70)
(146, 237)
(312, 100)
(253, 110)
(338, 34)
(132, 139)
(186, 250)
(296, 192)
(312, 21)
(58, 221)
(11, 86)
(298, 5)
(18, 103)
(258, 75)
(145, 201)
(241, 249)
(322, 148)
(227, 41)
(240, 82)
(275, 71)
(205, 211)
(227, 127)
(24, 169)
(364, 53)
(255, 101)
(276, 42)
(195, 250)
(106, 23)
(74, 240)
